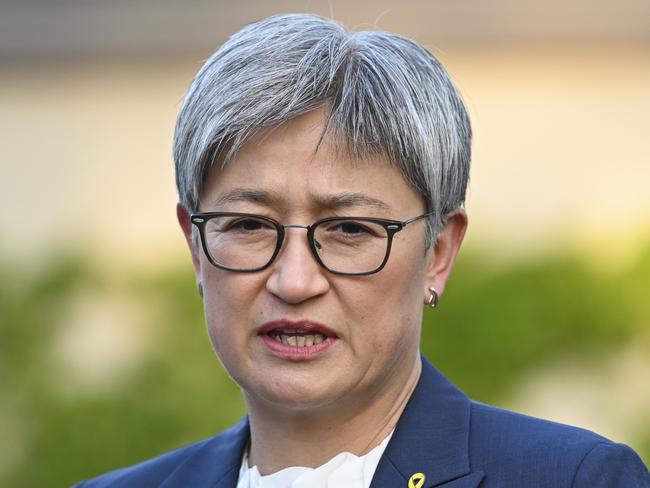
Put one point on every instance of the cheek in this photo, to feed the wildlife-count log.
(226, 302)
(386, 311)
(404, 281)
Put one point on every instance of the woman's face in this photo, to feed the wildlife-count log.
(370, 324)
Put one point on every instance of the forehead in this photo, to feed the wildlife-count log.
(294, 164)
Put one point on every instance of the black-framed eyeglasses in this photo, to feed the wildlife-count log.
(343, 245)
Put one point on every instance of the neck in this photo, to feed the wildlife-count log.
(310, 438)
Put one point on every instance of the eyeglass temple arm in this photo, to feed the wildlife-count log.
(406, 222)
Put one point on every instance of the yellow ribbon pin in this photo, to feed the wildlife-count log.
(417, 480)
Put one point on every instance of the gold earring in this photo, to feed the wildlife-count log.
(433, 299)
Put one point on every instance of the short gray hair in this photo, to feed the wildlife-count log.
(385, 94)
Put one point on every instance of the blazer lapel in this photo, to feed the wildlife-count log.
(431, 437)
(216, 464)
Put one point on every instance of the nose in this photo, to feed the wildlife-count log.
(296, 276)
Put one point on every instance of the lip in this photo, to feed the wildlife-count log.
(297, 353)
(298, 326)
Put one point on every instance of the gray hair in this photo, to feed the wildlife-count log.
(386, 95)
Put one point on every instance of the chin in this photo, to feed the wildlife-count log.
(294, 396)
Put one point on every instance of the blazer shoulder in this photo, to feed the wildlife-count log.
(521, 431)
(504, 442)
(153, 472)
(149, 473)
(609, 464)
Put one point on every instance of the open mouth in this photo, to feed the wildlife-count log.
(301, 337)
(291, 337)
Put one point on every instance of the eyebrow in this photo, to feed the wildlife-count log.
(350, 199)
(247, 195)
(330, 202)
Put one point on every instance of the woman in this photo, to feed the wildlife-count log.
(321, 178)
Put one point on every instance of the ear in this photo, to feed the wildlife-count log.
(443, 255)
(186, 225)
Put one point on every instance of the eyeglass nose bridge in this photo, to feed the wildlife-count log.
(296, 226)
(314, 246)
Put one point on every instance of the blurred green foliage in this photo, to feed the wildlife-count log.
(496, 323)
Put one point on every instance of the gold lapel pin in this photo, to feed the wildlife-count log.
(417, 480)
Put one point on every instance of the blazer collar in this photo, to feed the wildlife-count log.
(216, 463)
(432, 438)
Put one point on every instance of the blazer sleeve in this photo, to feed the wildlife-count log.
(609, 465)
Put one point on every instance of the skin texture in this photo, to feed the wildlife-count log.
(302, 413)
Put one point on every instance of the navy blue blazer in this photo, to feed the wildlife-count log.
(453, 441)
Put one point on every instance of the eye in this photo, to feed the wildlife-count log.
(241, 225)
(247, 224)
(352, 228)
(347, 234)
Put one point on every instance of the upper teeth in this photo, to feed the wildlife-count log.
(297, 340)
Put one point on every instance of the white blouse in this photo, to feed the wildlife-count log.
(345, 470)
